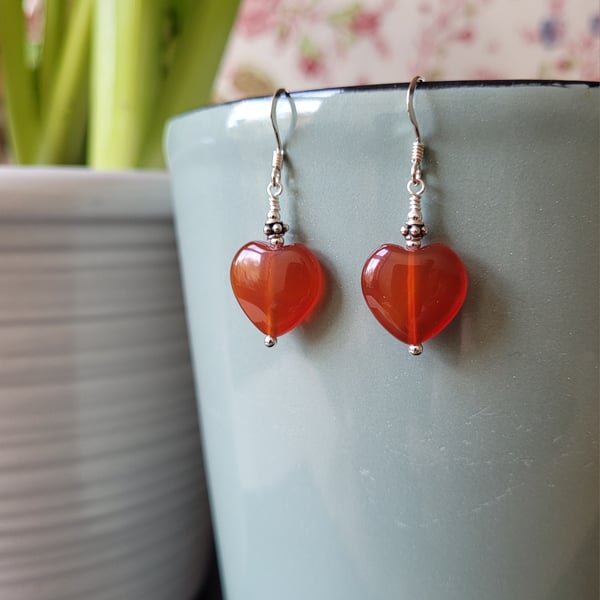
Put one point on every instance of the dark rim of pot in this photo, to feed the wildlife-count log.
(434, 85)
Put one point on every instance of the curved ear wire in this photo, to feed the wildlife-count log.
(282, 92)
(414, 229)
(412, 86)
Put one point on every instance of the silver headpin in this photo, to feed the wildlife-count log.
(414, 229)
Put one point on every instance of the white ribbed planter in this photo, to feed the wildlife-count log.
(102, 492)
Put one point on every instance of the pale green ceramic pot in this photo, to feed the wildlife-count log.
(341, 467)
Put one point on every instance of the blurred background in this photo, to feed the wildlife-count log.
(303, 44)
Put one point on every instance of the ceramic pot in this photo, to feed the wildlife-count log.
(339, 465)
(102, 493)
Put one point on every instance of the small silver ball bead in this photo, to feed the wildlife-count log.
(416, 349)
(277, 228)
(270, 341)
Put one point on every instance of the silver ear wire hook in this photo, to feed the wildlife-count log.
(415, 185)
(414, 230)
(275, 228)
(275, 188)
(274, 102)
(412, 86)
(281, 92)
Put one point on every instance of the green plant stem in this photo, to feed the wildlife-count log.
(69, 89)
(19, 89)
(198, 53)
(55, 16)
(125, 79)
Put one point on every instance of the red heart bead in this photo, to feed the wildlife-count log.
(414, 292)
(276, 286)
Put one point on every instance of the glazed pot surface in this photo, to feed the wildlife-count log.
(339, 465)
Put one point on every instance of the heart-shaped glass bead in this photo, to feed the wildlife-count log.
(414, 292)
(277, 286)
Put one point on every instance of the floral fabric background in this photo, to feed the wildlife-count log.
(321, 43)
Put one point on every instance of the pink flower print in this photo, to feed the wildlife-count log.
(311, 58)
(464, 35)
(365, 22)
(257, 16)
(564, 64)
(357, 23)
(312, 66)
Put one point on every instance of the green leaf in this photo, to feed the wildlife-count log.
(55, 24)
(64, 113)
(19, 87)
(197, 57)
(126, 72)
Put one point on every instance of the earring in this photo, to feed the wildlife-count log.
(414, 292)
(277, 286)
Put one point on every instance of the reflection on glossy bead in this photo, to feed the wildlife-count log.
(414, 293)
(276, 286)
